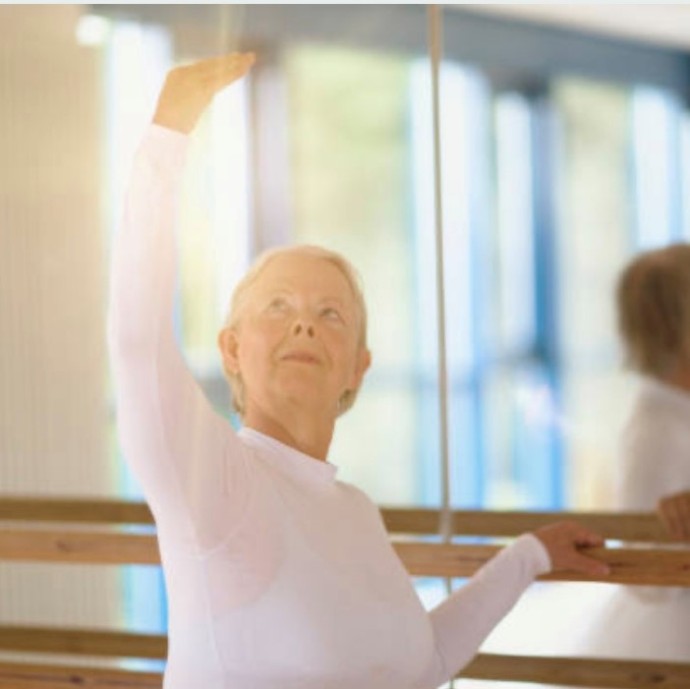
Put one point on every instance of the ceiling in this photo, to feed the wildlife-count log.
(667, 25)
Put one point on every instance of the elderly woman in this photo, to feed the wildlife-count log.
(653, 304)
(278, 575)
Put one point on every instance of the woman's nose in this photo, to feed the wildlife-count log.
(302, 327)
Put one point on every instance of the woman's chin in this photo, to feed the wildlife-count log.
(306, 395)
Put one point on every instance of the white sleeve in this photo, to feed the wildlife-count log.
(191, 465)
(462, 622)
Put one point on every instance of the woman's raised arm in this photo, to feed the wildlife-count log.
(189, 462)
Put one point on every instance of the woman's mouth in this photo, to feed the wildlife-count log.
(300, 357)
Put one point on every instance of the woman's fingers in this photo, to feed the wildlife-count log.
(188, 90)
(218, 72)
(565, 543)
(576, 562)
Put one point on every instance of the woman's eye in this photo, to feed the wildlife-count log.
(331, 314)
(277, 306)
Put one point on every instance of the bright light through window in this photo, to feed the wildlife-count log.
(655, 129)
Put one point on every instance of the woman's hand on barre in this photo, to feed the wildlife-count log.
(565, 541)
(188, 90)
(674, 512)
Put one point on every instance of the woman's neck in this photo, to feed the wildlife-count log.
(296, 428)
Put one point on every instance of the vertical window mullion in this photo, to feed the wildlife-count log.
(545, 477)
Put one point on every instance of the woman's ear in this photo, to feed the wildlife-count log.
(229, 346)
(361, 367)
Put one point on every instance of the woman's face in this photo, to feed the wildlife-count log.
(298, 336)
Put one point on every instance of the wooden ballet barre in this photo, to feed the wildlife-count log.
(485, 666)
(89, 531)
(579, 672)
(80, 510)
(87, 642)
(41, 676)
(83, 642)
(651, 566)
(564, 671)
(626, 526)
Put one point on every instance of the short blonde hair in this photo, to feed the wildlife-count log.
(241, 295)
(653, 299)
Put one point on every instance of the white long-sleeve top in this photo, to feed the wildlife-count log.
(655, 447)
(278, 575)
(655, 462)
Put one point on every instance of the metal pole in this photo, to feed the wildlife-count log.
(435, 43)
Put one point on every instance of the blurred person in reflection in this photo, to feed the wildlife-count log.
(653, 306)
(278, 575)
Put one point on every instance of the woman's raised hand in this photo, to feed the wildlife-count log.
(188, 90)
(565, 542)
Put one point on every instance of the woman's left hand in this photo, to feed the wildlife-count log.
(565, 542)
(189, 89)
